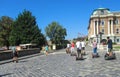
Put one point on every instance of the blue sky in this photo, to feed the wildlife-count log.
(71, 14)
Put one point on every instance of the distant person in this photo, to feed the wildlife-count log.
(15, 54)
(68, 48)
(68, 45)
(79, 46)
(46, 49)
(94, 47)
(109, 43)
(83, 47)
(72, 47)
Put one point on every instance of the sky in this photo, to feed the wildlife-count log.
(73, 15)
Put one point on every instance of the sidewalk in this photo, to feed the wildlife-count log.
(20, 58)
(28, 56)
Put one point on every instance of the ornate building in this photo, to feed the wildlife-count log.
(104, 23)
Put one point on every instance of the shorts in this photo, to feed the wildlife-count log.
(83, 48)
(78, 50)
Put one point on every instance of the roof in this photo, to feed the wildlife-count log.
(100, 9)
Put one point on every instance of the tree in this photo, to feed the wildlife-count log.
(5, 29)
(55, 32)
(25, 30)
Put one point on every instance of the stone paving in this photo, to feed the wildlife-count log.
(60, 64)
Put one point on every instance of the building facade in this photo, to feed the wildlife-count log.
(104, 23)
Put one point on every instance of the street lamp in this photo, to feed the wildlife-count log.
(97, 38)
(100, 36)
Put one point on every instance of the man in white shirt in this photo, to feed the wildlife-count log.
(79, 46)
(83, 47)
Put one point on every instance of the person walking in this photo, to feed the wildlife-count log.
(15, 54)
(79, 46)
(73, 52)
(72, 47)
(83, 47)
(94, 48)
(68, 48)
(46, 49)
(109, 43)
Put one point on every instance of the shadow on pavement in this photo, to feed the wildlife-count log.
(23, 61)
(5, 74)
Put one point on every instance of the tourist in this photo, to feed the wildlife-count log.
(83, 47)
(15, 54)
(46, 49)
(109, 43)
(72, 47)
(79, 46)
(68, 48)
(94, 48)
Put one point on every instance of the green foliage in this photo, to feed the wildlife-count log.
(25, 30)
(55, 32)
(116, 47)
(5, 29)
(114, 43)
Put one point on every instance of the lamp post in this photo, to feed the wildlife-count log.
(100, 36)
(97, 38)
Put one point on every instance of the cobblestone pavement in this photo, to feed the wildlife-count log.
(60, 64)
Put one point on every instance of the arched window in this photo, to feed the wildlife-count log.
(118, 40)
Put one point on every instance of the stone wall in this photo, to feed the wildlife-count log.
(4, 55)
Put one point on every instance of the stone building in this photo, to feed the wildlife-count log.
(104, 23)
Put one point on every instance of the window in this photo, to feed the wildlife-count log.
(117, 40)
(116, 21)
(102, 12)
(102, 22)
(117, 31)
(103, 31)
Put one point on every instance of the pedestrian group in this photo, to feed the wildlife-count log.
(80, 47)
